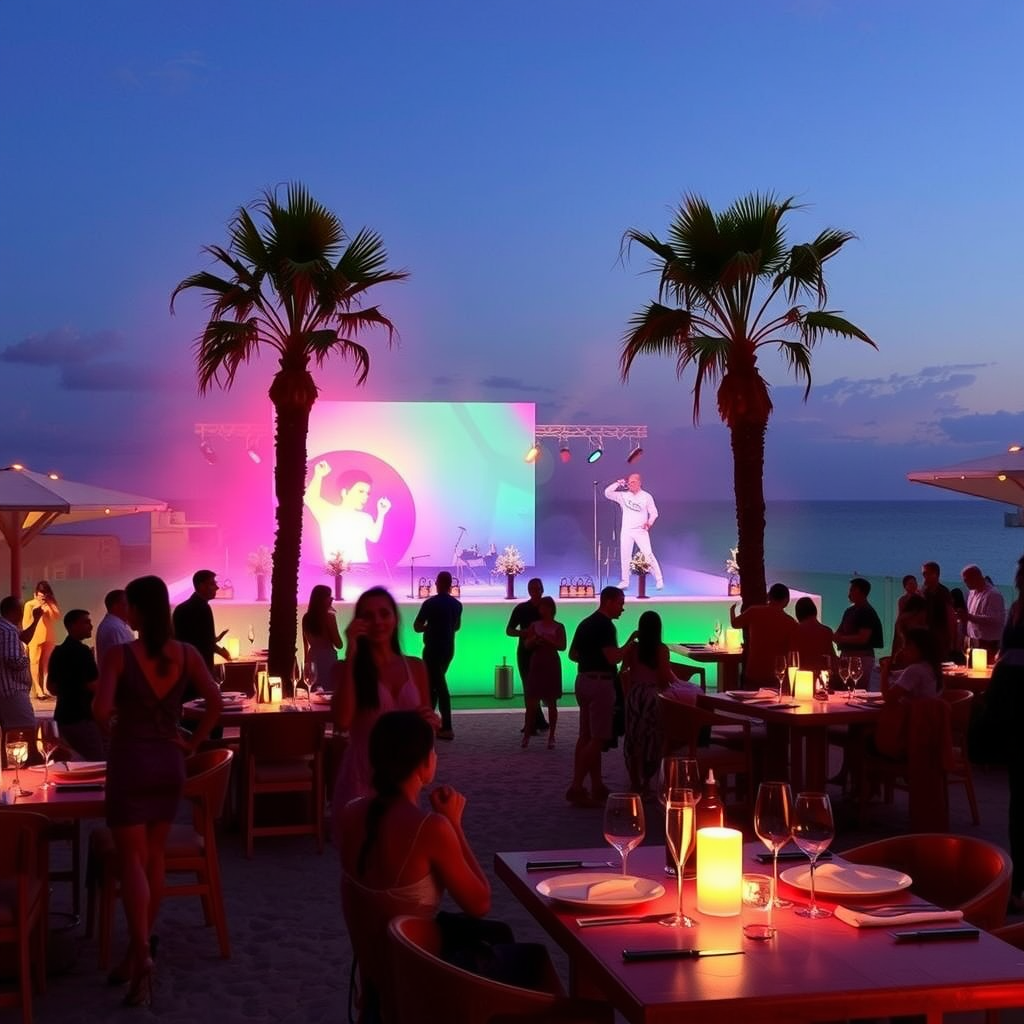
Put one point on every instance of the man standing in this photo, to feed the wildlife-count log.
(638, 516)
(860, 629)
(345, 529)
(770, 632)
(439, 620)
(523, 615)
(986, 611)
(941, 617)
(596, 652)
(72, 680)
(113, 628)
(193, 622)
(15, 680)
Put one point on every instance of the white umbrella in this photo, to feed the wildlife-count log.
(30, 502)
(995, 477)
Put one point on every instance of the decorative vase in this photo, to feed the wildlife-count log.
(510, 586)
(734, 588)
(641, 584)
(261, 586)
(337, 587)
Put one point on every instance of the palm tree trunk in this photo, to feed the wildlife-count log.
(747, 439)
(289, 484)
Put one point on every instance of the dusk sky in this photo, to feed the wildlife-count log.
(501, 150)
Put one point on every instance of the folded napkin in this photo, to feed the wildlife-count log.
(888, 917)
(620, 888)
(86, 767)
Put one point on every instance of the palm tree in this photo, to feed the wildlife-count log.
(734, 287)
(295, 284)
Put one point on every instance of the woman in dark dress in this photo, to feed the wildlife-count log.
(138, 701)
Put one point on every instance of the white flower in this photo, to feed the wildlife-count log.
(639, 564)
(509, 562)
(260, 561)
(732, 567)
(336, 564)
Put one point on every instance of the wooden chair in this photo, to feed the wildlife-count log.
(24, 903)
(961, 705)
(432, 991)
(283, 753)
(191, 850)
(687, 672)
(683, 726)
(953, 872)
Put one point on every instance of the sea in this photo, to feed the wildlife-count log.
(865, 538)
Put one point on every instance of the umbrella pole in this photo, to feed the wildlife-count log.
(10, 527)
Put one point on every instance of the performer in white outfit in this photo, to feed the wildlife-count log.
(638, 515)
(345, 529)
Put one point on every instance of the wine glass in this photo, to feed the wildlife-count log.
(680, 809)
(624, 823)
(813, 832)
(252, 636)
(856, 668)
(780, 667)
(49, 742)
(717, 634)
(16, 746)
(773, 813)
(677, 772)
(844, 673)
(301, 682)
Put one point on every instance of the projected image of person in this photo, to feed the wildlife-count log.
(638, 515)
(345, 528)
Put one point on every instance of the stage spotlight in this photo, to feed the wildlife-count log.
(634, 455)
(564, 454)
(596, 454)
(533, 454)
(250, 450)
(207, 451)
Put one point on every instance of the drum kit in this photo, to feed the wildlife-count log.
(467, 560)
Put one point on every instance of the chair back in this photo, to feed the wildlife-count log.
(954, 872)
(432, 991)
(240, 677)
(959, 702)
(208, 774)
(283, 737)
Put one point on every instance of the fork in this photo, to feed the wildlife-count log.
(893, 909)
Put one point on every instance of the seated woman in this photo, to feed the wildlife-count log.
(921, 674)
(397, 858)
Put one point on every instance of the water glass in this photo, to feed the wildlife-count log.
(756, 907)
(773, 824)
(16, 743)
(624, 825)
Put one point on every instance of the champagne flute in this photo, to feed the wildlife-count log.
(856, 668)
(624, 823)
(301, 682)
(844, 673)
(677, 772)
(49, 743)
(16, 746)
(680, 809)
(773, 814)
(813, 832)
(252, 636)
(780, 666)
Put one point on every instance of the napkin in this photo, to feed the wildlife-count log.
(86, 766)
(867, 919)
(622, 887)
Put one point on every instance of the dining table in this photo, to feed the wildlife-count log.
(797, 730)
(811, 970)
(65, 800)
(236, 712)
(726, 660)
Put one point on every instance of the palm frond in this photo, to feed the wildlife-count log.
(711, 356)
(655, 330)
(818, 323)
(798, 359)
(223, 347)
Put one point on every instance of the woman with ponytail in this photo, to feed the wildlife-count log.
(397, 858)
(138, 702)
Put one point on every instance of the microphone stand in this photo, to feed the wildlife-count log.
(412, 573)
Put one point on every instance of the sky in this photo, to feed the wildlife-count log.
(501, 150)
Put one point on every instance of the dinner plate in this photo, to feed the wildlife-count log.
(74, 771)
(847, 881)
(320, 698)
(762, 694)
(600, 889)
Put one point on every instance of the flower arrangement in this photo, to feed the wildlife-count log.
(336, 565)
(260, 561)
(639, 565)
(732, 570)
(509, 562)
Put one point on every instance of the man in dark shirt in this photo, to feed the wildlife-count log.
(523, 615)
(941, 616)
(860, 630)
(72, 680)
(193, 622)
(597, 654)
(439, 620)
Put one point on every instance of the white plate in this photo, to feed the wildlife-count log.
(763, 694)
(847, 881)
(600, 889)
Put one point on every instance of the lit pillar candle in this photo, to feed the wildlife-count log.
(719, 871)
(804, 688)
(231, 645)
(275, 689)
(733, 639)
(979, 658)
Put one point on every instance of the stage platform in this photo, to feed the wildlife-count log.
(481, 644)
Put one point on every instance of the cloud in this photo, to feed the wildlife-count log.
(997, 429)
(62, 347)
(120, 376)
(498, 383)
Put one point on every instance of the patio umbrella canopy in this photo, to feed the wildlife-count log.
(995, 477)
(30, 502)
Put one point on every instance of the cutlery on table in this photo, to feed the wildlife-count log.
(895, 909)
(600, 922)
(796, 855)
(549, 865)
(639, 955)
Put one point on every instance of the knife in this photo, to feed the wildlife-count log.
(599, 922)
(638, 955)
(547, 865)
(797, 855)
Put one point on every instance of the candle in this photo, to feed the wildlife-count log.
(979, 658)
(719, 871)
(231, 645)
(262, 696)
(733, 639)
(804, 684)
(275, 689)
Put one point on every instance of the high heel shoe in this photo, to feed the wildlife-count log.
(140, 993)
